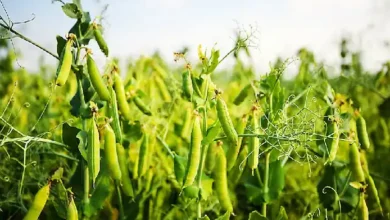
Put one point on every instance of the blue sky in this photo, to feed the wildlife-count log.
(139, 27)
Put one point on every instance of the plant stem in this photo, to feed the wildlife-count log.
(121, 210)
(165, 145)
(266, 177)
(28, 40)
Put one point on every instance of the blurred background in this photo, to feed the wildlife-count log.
(281, 27)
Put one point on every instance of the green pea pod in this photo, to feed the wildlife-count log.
(100, 40)
(143, 156)
(72, 213)
(113, 113)
(221, 183)
(179, 165)
(38, 204)
(210, 158)
(111, 154)
(121, 97)
(194, 154)
(141, 105)
(363, 163)
(362, 133)
(188, 89)
(126, 185)
(236, 173)
(242, 95)
(362, 210)
(93, 151)
(160, 200)
(372, 192)
(333, 141)
(96, 79)
(161, 86)
(65, 65)
(233, 150)
(186, 128)
(354, 162)
(225, 120)
(254, 142)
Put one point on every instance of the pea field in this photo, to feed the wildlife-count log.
(191, 140)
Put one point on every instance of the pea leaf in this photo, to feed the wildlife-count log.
(78, 3)
(254, 194)
(212, 133)
(225, 216)
(282, 215)
(276, 180)
(102, 190)
(82, 136)
(58, 174)
(384, 108)
(132, 131)
(326, 195)
(72, 11)
(59, 199)
(69, 136)
(60, 44)
(213, 61)
(255, 215)
(207, 187)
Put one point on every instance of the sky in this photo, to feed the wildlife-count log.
(139, 27)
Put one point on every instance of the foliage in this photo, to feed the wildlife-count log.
(46, 136)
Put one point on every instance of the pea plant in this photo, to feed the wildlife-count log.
(190, 142)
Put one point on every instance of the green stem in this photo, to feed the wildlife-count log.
(36, 139)
(266, 177)
(204, 153)
(121, 209)
(165, 145)
(28, 40)
(259, 177)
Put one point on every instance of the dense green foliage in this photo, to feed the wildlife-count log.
(123, 144)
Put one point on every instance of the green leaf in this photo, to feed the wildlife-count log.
(82, 29)
(58, 197)
(254, 194)
(78, 3)
(207, 187)
(282, 215)
(83, 137)
(213, 61)
(225, 216)
(60, 44)
(205, 218)
(75, 102)
(212, 133)
(255, 215)
(276, 180)
(132, 131)
(72, 11)
(179, 165)
(326, 195)
(191, 192)
(384, 108)
(58, 174)
(69, 136)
